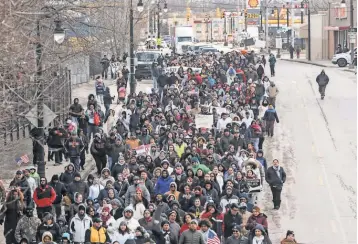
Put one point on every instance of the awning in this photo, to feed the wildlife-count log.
(336, 28)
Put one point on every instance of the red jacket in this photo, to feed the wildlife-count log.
(208, 215)
(44, 197)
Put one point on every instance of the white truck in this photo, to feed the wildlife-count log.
(183, 37)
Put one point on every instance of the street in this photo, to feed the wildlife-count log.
(315, 142)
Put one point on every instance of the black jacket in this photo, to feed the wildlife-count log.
(60, 190)
(230, 221)
(162, 80)
(272, 177)
(80, 187)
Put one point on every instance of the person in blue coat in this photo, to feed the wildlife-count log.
(163, 183)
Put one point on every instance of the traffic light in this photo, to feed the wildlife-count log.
(245, 13)
(218, 13)
(223, 14)
(187, 14)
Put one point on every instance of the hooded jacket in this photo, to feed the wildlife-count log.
(322, 79)
(54, 229)
(67, 176)
(271, 115)
(26, 228)
(44, 196)
(129, 196)
(78, 226)
(163, 184)
(176, 193)
(103, 180)
(48, 234)
(266, 239)
(132, 223)
(91, 102)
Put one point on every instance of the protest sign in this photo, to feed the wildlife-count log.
(144, 149)
(202, 120)
(254, 185)
(174, 69)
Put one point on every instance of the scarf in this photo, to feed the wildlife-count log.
(277, 170)
(258, 240)
(105, 219)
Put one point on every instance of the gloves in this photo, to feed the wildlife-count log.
(1, 221)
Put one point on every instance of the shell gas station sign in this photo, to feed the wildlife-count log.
(253, 4)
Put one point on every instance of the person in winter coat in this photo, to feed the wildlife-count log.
(95, 189)
(105, 176)
(60, 190)
(161, 207)
(237, 237)
(215, 217)
(192, 235)
(48, 225)
(74, 147)
(100, 89)
(270, 117)
(165, 236)
(272, 92)
(54, 142)
(163, 183)
(173, 190)
(97, 233)
(68, 176)
(98, 151)
(322, 81)
(31, 181)
(148, 222)
(259, 235)
(78, 185)
(79, 224)
(132, 190)
(260, 157)
(132, 223)
(11, 213)
(276, 177)
(20, 182)
(228, 198)
(44, 196)
(47, 238)
(257, 218)
(107, 99)
(231, 218)
(290, 238)
(122, 234)
(27, 226)
(272, 62)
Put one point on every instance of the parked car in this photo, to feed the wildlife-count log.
(342, 59)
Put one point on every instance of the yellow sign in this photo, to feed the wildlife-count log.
(253, 3)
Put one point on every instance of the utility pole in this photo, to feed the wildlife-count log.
(351, 65)
(309, 31)
(266, 25)
(40, 102)
(132, 82)
(288, 25)
(158, 24)
(278, 33)
(292, 24)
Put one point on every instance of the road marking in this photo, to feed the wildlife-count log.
(333, 226)
(324, 171)
(320, 180)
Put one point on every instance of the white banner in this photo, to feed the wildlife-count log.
(202, 120)
(175, 69)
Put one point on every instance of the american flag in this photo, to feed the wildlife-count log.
(213, 237)
(23, 159)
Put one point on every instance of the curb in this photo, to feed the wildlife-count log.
(303, 62)
(315, 64)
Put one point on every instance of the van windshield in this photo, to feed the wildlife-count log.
(184, 39)
(147, 56)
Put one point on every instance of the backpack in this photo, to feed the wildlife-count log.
(96, 119)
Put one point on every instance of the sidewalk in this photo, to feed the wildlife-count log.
(81, 92)
(320, 63)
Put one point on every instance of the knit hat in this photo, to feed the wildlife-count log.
(77, 174)
(165, 222)
(290, 232)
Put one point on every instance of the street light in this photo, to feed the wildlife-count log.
(165, 8)
(39, 133)
(160, 13)
(140, 8)
(59, 33)
(343, 4)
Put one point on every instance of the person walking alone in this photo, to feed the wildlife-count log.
(276, 177)
(272, 61)
(322, 81)
(270, 117)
